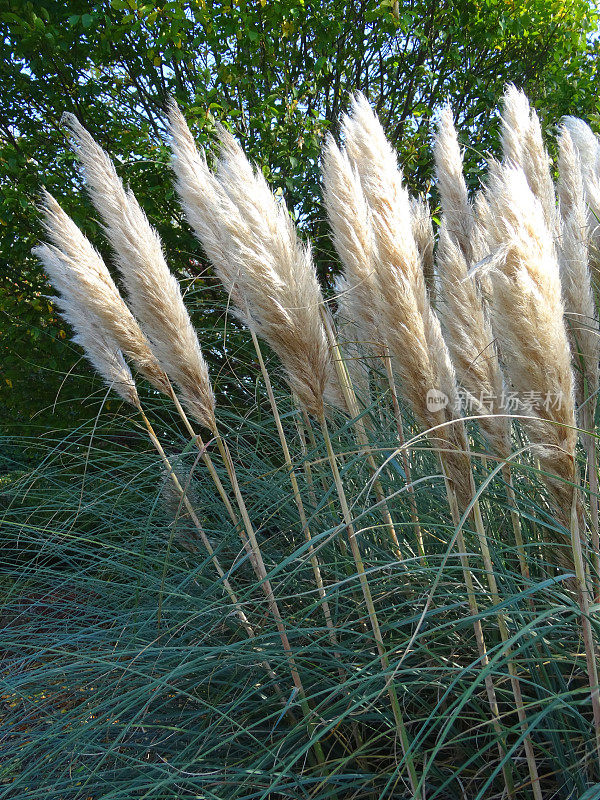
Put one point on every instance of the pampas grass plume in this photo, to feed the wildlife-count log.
(412, 329)
(351, 225)
(523, 146)
(267, 271)
(422, 231)
(528, 321)
(153, 292)
(101, 349)
(576, 279)
(514, 123)
(457, 209)
(467, 327)
(587, 146)
(76, 269)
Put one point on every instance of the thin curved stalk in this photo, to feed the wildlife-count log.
(504, 635)
(261, 573)
(252, 548)
(515, 520)
(387, 362)
(364, 583)
(589, 444)
(303, 521)
(340, 538)
(477, 627)
(358, 424)
(205, 457)
(206, 542)
(586, 627)
(297, 496)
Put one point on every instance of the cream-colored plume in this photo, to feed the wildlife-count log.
(153, 292)
(523, 146)
(458, 212)
(422, 229)
(208, 209)
(528, 321)
(538, 169)
(101, 349)
(468, 329)
(580, 308)
(268, 272)
(481, 243)
(587, 145)
(514, 123)
(77, 270)
(471, 342)
(356, 341)
(588, 149)
(351, 224)
(412, 329)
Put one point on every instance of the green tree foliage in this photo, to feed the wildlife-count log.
(280, 74)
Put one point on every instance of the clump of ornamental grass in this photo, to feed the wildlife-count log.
(343, 615)
(257, 236)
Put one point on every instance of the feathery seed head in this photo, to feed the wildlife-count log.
(153, 292)
(78, 271)
(350, 219)
(451, 183)
(470, 339)
(570, 183)
(422, 230)
(356, 340)
(100, 347)
(528, 316)
(537, 168)
(411, 327)
(523, 146)
(580, 308)
(269, 273)
(586, 143)
(206, 204)
(587, 146)
(514, 124)
(468, 329)
(376, 163)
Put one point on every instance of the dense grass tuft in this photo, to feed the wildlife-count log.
(126, 674)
